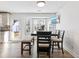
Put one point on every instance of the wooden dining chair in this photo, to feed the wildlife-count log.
(43, 42)
(58, 40)
(26, 43)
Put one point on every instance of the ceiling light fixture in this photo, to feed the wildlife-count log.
(40, 3)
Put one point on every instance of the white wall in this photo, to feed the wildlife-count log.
(70, 23)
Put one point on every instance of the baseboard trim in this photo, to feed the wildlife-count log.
(71, 52)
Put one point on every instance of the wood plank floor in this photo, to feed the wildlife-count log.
(13, 50)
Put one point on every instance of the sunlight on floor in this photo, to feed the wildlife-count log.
(5, 50)
(6, 36)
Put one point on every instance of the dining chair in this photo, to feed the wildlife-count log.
(58, 41)
(27, 42)
(43, 42)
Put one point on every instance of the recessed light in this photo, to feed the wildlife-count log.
(40, 3)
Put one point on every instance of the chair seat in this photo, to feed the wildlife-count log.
(43, 45)
(53, 37)
(27, 40)
(57, 39)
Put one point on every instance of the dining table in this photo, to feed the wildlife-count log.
(35, 34)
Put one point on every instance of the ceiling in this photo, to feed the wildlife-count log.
(30, 6)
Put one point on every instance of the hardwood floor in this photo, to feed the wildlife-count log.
(13, 50)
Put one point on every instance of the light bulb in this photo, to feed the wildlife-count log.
(40, 3)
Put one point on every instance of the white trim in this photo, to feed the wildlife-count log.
(71, 52)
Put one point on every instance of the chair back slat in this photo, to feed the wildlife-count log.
(43, 36)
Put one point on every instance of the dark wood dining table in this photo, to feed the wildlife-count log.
(35, 34)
